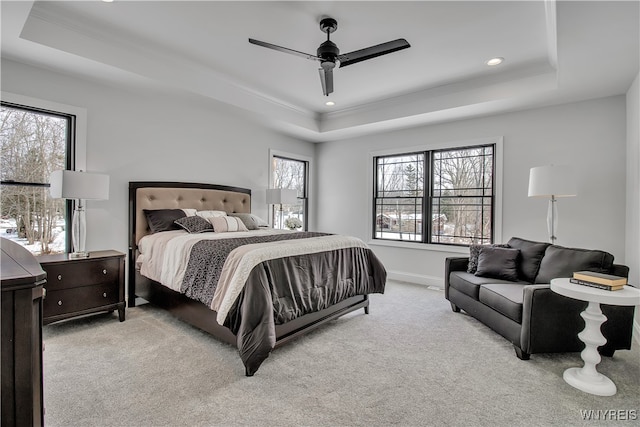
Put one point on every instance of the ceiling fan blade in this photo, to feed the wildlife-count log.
(372, 52)
(326, 78)
(284, 49)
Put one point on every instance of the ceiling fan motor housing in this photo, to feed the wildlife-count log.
(328, 51)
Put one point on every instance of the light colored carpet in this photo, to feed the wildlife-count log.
(410, 362)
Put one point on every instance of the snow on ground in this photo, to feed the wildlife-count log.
(8, 230)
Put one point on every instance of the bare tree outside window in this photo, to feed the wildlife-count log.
(463, 195)
(455, 207)
(291, 174)
(400, 197)
(33, 144)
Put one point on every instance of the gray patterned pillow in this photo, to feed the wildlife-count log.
(474, 252)
(194, 224)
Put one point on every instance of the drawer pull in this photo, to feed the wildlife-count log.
(59, 276)
(59, 302)
(104, 294)
(104, 271)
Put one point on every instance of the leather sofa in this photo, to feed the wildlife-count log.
(507, 288)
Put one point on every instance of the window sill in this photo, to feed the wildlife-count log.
(419, 246)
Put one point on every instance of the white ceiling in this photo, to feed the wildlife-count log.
(555, 52)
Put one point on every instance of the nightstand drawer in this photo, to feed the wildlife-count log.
(82, 273)
(78, 299)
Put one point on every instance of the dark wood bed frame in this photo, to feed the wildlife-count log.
(198, 314)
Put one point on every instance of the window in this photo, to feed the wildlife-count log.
(34, 142)
(291, 174)
(439, 196)
(399, 198)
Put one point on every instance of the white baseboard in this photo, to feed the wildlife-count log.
(419, 279)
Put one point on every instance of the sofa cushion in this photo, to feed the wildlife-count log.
(531, 254)
(505, 298)
(474, 253)
(469, 284)
(559, 261)
(500, 263)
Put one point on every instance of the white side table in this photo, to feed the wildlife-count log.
(587, 378)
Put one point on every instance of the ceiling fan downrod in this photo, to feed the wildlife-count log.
(328, 50)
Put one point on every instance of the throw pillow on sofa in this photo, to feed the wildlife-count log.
(498, 263)
(531, 254)
(474, 252)
(559, 261)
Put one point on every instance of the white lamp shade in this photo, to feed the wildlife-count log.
(284, 196)
(553, 180)
(66, 184)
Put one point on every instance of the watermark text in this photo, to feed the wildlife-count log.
(609, 414)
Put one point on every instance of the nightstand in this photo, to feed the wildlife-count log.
(78, 286)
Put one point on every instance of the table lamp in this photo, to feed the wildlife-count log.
(78, 185)
(281, 196)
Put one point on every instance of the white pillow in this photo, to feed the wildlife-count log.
(224, 224)
(189, 212)
(211, 214)
(259, 221)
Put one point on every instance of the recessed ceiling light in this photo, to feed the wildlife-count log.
(108, 1)
(330, 103)
(495, 61)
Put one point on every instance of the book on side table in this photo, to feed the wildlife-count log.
(593, 279)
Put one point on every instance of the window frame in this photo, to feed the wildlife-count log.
(307, 161)
(425, 180)
(76, 141)
(423, 243)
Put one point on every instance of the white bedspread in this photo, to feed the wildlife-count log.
(165, 256)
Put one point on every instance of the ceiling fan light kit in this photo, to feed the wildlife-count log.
(329, 56)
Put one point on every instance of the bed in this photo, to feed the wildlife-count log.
(256, 289)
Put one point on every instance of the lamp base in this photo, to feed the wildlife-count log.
(74, 255)
(552, 219)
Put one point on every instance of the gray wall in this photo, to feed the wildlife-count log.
(589, 135)
(141, 134)
(144, 135)
(633, 183)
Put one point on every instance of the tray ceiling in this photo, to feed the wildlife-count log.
(554, 52)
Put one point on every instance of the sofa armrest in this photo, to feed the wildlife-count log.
(551, 322)
(456, 264)
(453, 264)
(620, 270)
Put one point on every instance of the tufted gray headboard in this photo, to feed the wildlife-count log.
(180, 195)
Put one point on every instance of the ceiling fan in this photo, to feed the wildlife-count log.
(329, 55)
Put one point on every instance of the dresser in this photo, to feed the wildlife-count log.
(78, 286)
(22, 290)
